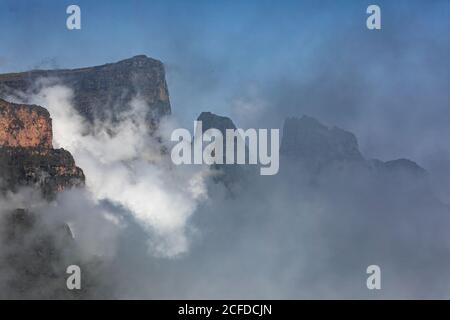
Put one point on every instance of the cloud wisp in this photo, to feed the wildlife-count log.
(123, 166)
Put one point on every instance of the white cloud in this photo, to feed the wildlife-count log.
(123, 165)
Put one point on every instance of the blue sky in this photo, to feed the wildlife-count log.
(249, 33)
(35, 30)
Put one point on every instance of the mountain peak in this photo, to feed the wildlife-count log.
(140, 56)
(308, 139)
(212, 120)
(406, 166)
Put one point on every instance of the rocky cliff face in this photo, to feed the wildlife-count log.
(24, 126)
(309, 140)
(103, 91)
(211, 120)
(230, 174)
(318, 150)
(27, 157)
(50, 170)
(33, 254)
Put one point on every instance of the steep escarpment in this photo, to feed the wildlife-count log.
(27, 157)
(24, 126)
(34, 252)
(104, 91)
(51, 170)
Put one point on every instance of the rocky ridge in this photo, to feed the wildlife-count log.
(101, 92)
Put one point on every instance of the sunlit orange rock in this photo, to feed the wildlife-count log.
(26, 126)
(27, 157)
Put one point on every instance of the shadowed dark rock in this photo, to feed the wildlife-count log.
(309, 140)
(230, 174)
(50, 170)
